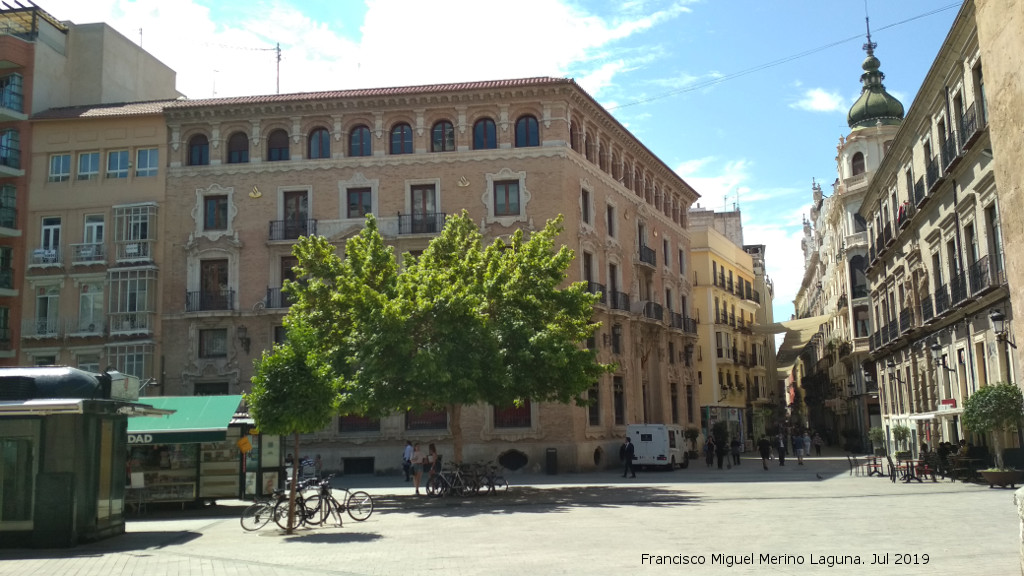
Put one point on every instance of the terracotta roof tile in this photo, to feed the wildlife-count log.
(104, 110)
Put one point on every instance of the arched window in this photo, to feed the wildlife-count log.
(857, 163)
(401, 139)
(442, 137)
(277, 146)
(527, 132)
(485, 136)
(198, 150)
(574, 137)
(319, 144)
(359, 142)
(238, 148)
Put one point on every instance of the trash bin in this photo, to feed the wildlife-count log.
(552, 460)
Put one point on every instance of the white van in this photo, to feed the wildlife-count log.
(661, 445)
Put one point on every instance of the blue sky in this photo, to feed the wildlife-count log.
(734, 94)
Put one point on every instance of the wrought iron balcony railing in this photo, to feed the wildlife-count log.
(597, 288)
(200, 301)
(428, 223)
(291, 229)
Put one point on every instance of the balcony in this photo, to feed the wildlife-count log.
(906, 321)
(856, 240)
(933, 176)
(10, 155)
(958, 289)
(201, 301)
(689, 325)
(88, 253)
(887, 236)
(12, 99)
(970, 128)
(597, 288)
(950, 152)
(7, 278)
(675, 320)
(927, 312)
(291, 229)
(941, 300)
(905, 214)
(619, 300)
(920, 197)
(980, 278)
(428, 223)
(85, 327)
(653, 311)
(276, 299)
(648, 255)
(9, 219)
(46, 257)
(41, 328)
(134, 250)
(125, 323)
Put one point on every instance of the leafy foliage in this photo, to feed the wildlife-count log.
(901, 433)
(994, 408)
(877, 436)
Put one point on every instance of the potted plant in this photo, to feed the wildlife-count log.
(691, 434)
(877, 437)
(996, 408)
(901, 433)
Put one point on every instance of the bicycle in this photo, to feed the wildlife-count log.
(302, 511)
(318, 508)
(260, 512)
(492, 481)
(448, 482)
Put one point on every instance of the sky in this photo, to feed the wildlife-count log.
(745, 99)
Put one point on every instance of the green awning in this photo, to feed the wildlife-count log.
(195, 419)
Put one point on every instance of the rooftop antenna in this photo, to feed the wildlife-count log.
(278, 50)
(870, 46)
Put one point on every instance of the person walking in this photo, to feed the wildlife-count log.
(735, 447)
(418, 462)
(720, 452)
(780, 448)
(807, 443)
(627, 452)
(764, 446)
(433, 465)
(407, 460)
(798, 447)
(817, 441)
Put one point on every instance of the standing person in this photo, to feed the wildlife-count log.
(798, 447)
(807, 443)
(628, 452)
(720, 452)
(764, 446)
(318, 466)
(418, 458)
(433, 465)
(709, 451)
(817, 441)
(780, 448)
(407, 460)
(735, 449)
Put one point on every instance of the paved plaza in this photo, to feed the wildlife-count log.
(784, 521)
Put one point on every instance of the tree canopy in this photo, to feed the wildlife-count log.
(994, 408)
(458, 325)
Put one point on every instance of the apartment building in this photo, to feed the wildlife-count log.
(46, 64)
(248, 176)
(939, 293)
(731, 360)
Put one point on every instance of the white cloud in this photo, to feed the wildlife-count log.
(717, 190)
(818, 100)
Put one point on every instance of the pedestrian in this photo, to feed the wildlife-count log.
(817, 441)
(407, 460)
(628, 452)
(798, 447)
(709, 451)
(318, 465)
(735, 447)
(807, 443)
(780, 448)
(764, 446)
(435, 464)
(418, 460)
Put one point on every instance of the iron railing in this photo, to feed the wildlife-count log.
(927, 311)
(941, 299)
(200, 301)
(291, 229)
(597, 288)
(428, 223)
(648, 255)
(619, 300)
(278, 299)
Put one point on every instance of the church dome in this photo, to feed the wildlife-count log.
(875, 104)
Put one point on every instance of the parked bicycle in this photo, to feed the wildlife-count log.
(467, 479)
(323, 505)
(280, 514)
(260, 512)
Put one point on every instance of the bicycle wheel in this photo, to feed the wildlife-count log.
(499, 484)
(281, 514)
(315, 510)
(359, 505)
(257, 515)
(437, 486)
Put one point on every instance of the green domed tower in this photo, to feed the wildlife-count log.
(875, 105)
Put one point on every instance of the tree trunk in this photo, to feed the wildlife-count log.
(456, 411)
(294, 484)
(998, 459)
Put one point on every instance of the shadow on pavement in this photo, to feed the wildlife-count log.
(531, 500)
(333, 537)
(128, 542)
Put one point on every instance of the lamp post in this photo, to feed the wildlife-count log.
(998, 320)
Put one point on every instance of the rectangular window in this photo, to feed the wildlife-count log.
(506, 198)
(585, 205)
(88, 165)
(619, 399)
(675, 402)
(689, 403)
(682, 261)
(134, 359)
(664, 251)
(610, 217)
(594, 406)
(672, 353)
(359, 202)
(117, 164)
(147, 162)
(210, 389)
(213, 343)
(426, 420)
(513, 416)
(353, 423)
(60, 168)
(215, 213)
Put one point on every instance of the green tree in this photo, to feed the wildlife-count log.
(994, 408)
(901, 433)
(461, 324)
(289, 395)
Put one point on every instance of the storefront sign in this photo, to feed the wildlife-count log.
(140, 438)
(244, 444)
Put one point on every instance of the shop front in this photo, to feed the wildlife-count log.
(204, 451)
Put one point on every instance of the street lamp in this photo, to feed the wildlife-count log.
(998, 320)
(938, 357)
